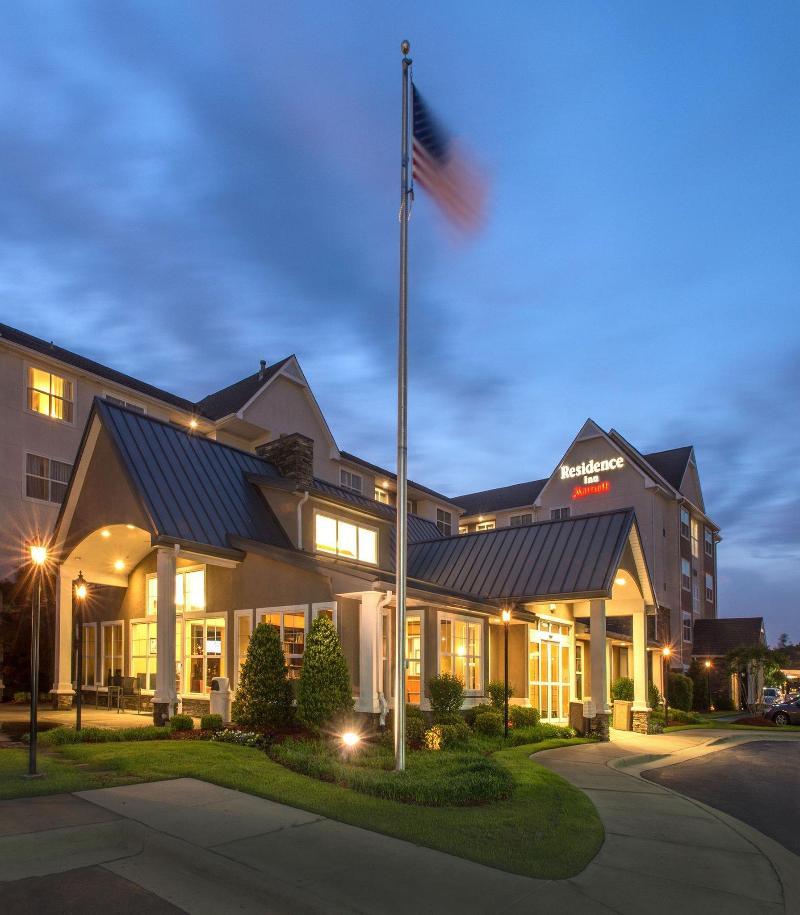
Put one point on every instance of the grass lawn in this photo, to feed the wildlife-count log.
(546, 829)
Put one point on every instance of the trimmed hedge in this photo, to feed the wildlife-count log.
(324, 695)
(447, 736)
(60, 736)
(447, 695)
(470, 714)
(181, 723)
(490, 724)
(520, 716)
(622, 689)
(212, 722)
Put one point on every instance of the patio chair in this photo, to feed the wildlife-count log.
(131, 692)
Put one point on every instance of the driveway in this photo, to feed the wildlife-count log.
(758, 783)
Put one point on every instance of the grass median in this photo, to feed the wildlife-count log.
(547, 828)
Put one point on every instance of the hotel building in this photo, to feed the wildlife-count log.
(195, 521)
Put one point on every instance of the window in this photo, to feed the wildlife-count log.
(49, 394)
(411, 507)
(190, 591)
(345, 539)
(125, 403)
(460, 651)
(112, 652)
(579, 670)
(686, 575)
(558, 514)
(709, 541)
(327, 608)
(484, 526)
(244, 631)
(89, 654)
(444, 521)
(350, 480)
(685, 523)
(695, 539)
(687, 627)
(413, 660)
(463, 529)
(381, 495)
(709, 587)
(144, 654)
(46, 479)
(205, 643)
(519, 520)
(695, 595)
(291, 623)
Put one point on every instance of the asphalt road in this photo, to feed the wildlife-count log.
(758, 783)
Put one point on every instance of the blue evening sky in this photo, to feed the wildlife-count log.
(187, 188)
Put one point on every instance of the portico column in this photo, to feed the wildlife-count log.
(369, 661)
(597, 617)
(641, 710)
(62, 691)
(165, 698)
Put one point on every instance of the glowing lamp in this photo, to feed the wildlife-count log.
(506, 616)
(192, 423)
(39, 555)
(620, 580)
(350, 738)
(666, 651)
(80, 587)
(708, 664)
(105, 533)
(119, 565)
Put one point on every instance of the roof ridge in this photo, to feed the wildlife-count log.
(480, 492)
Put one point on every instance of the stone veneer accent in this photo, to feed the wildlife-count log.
(62, 702)
(598, 726)
(293, 455)
(195, 707)
(641, 722)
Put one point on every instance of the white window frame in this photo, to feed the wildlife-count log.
(686, 577)
(687, 619)
(517, 520)
(358, 525)
(122, 401)
(685, 526)
(323, 606)
(352, 476)
(382, 495)
(48, 478)
(238, 616)
(463, 529)
(457, 617)
(284, 609)
(182, 570)
(709, 587)
(444, 519)
(102, 648)
(185, 658)
(150, 621)
(26, 388)
(486, 525)
(708, 538)
(86, 628)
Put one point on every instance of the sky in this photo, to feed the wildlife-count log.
(187, 188)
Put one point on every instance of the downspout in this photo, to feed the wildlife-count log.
(300, 505)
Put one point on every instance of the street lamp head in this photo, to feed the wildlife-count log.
(666, 651)
(80, 587)
(38, 554)
(708, 664)
(506, 616)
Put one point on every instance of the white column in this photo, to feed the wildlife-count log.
(62, 683)
(640, 661)
(165, 629)
(572, 696)
(369, 660)
(597, 644)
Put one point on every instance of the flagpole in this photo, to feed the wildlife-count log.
(402, 436)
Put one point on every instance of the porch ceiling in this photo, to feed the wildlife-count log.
(107, 555)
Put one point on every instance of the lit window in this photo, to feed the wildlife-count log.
(519, 520)
(343, 538)
(444, 521)
(111, 662)
(46, 479)
(463, 529)
(49, 394)
(411, 507)
(190, 591)
(695, 539)
(709, 587)
(144, 654)
(291, 624)
(244, 630)
(559, 514)
(687, 627)
(484, 526)
(125, 403)
(685, 532)
(350, 480)
(205, 655)
(413, 660)
(579, 670)
(686, 575)
(89, 654)
(460, 651)
(709, 542)
(381, 495)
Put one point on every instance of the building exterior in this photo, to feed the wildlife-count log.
(601, 471)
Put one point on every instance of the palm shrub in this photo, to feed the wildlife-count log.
(447, 695)
(324, 695)
(264, 697)
(497, 693)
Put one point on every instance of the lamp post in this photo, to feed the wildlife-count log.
(666, 651)
(708, 683)
(79, 602)
(506, 621)
(38, 555)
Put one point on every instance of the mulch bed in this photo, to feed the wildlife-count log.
(758, 722)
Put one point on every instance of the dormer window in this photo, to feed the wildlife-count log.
(381, 495)
(343, 538)
(50, 394)
(444, 521)
(350, 480)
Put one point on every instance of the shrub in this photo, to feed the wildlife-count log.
(622, 689)
(447, 695)
(60, 736)
(324, 695)
(447, 736)
(723, 701)
(415, 733)
(241, 738)
(522, 717)
(653, 695)
(22, 697)
(181, 723)
(520, 736)
(449, 718)
(490, 724)
(264, 697)
(497, 693)
(680, 692)
(676, 716)
(471, 713)
(211, 722)
(700, 681)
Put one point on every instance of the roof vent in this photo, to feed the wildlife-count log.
(263, 370)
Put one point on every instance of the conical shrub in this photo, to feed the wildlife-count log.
(264, 697)
(325, 694)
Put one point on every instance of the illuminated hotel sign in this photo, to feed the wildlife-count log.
(594, 489)
(589, 471)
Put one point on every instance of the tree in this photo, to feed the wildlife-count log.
(264, 697)
(783, 641)
(755, 666)
(701, 700)
(325, 694)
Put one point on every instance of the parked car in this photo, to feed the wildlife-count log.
(787, 712)
(771, 695)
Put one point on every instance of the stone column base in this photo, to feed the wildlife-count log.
(641, 722)
(160, 713)
(598, 726)
(62, 702)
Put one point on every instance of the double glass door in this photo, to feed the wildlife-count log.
(548, 671)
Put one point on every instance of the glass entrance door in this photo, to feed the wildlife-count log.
(548, 670)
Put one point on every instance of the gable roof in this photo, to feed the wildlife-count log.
(714, 638)
(570, 558)
(232, 398)
(518, 495)
(193, 489)
(670, 464)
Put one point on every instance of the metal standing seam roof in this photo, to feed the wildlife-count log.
(671, 464)
(716, 637)
(518, 495)
(193, 488)
(572, 556)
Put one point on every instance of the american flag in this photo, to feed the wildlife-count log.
(442, 169)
